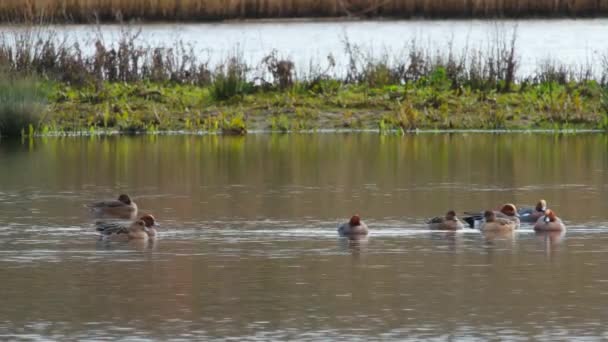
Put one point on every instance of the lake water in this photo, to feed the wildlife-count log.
(248, 246)
(569, 41)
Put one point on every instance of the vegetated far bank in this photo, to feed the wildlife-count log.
(132, 87)
(205, 10)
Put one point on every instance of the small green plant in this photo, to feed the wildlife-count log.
(22, 102)
(604, 108)
(280, 123)
(408, 116)
(211, 123)
(230, 81)
(234, 125)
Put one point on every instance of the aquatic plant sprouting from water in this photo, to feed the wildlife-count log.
(22, 102)
(234, 124)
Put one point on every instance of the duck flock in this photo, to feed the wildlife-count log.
(506, 219)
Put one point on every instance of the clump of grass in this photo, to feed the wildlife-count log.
(280, 123)
(22, 101)
(604, 108)
(234, 125)
(406, 118)
(230, 80)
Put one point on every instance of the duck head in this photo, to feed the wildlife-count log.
(450, 215)
(489, 216)
(541, 205)
(149, 221)
(550, 216)
(509, 209)
(140, 225)
(355, 220)
(124, 199)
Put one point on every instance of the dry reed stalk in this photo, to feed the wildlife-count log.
(84, 10)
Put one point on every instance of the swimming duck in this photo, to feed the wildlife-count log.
(507, 211)
(136, 231)
(448, 222)
(124, 207)
(549, 223)
(531, 215)
(493, 223)
(354, 227)
(114, 228)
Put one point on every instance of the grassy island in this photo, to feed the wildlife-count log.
(129, 87)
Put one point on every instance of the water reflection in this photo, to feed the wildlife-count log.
(355, 244)
(454, 240)
(550, 240)
(493, 236)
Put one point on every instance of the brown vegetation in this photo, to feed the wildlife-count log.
(89, 10)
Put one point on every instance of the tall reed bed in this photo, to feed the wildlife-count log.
(87, 10)
(491, 67)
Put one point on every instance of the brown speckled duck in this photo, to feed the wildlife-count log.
(499, 224)
(507, 211)
(123, 207)
(114, 229)
(448, 222)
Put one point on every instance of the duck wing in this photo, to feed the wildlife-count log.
(437, 219)
(109, 228)
(107, 204)
(504, 221)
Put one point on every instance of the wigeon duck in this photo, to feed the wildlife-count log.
(354, 227)
(531, 215)
(493, 223)
(447, 222)
(124, 207)
(114, 228)
(549, 223)
(507, 211)
(136, 231)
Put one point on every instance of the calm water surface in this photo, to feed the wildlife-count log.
(248, 247)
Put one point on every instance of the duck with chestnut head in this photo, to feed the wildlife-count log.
(116, 229)
(531, 215)
(354, 227)
(549, 223)
(123, 207)
(493, 223)
(448, 222)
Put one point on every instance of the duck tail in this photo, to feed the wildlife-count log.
(470, 220)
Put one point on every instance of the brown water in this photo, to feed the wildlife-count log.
(248, 246)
